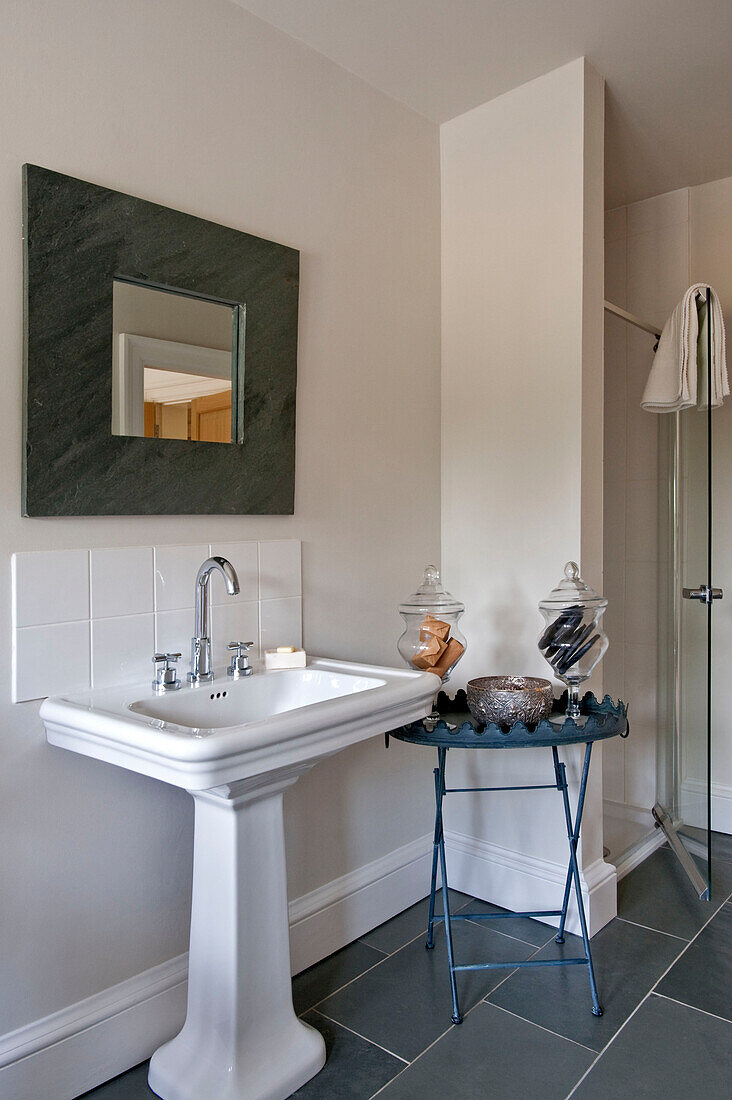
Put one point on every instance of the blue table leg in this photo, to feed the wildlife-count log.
(575, 836)
(439, 853)
(573, 832)
(435, 854)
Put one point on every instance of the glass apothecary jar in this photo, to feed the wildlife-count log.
(432, 641)
(573, 640)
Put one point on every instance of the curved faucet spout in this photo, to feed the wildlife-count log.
(201, 641)
(225, 568)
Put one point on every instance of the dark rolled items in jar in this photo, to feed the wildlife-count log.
(565, 640)
(570, 616)
(576, 656)
(571, 645)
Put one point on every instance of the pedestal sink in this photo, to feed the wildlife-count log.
(236, 746)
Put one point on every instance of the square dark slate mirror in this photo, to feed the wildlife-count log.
(160, 358)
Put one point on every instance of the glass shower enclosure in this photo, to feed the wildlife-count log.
(687, 650)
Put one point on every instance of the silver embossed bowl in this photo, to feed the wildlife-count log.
(508, 699)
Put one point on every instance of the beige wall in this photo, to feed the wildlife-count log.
(522, 411)
(203, 108)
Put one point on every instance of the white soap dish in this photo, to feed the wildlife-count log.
(285, 656)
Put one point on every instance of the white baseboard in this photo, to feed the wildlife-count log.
(73, 1050)
(348, 907)
(695, 790)
(521, 882)
(640, 851)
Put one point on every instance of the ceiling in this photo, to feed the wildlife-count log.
(667, 64)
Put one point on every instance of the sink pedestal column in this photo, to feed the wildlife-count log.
(241, 1039)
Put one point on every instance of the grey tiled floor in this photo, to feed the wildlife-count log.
(664, 969)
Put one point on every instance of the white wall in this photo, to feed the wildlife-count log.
(201, 107)
(522, 426)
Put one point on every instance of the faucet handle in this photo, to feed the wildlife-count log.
(240, 659)
(166, 674)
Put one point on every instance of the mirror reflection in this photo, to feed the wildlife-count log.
(175, 365)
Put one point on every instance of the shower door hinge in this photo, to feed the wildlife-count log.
(703, 593)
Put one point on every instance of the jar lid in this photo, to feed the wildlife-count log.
(572, 591)
(431, 596)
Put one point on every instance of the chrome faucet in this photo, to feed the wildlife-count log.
(201, 670)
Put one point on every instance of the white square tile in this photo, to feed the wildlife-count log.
(122, 650)
(234, 622)
(173, 633)
(640, 675)
(51, 659)
(651, 215)
(280, 570)
(51, 586)
(280, 623)
(244, 557)
(641, 603)
(640, 764)
(122, 581)
(615, 273)
(613, 768)
(658, 273)
(176, 568)
(616, 224)
(641, 531)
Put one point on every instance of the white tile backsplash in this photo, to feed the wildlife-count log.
(173, 633)
(51, 659)
(175, 575)
(280, 570)
(280, 623)
(51, 586)
(234, 622)
(83, 617)
(122, 581)
(122, 649)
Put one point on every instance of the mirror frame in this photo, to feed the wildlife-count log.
(78, 237)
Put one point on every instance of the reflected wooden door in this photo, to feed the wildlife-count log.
(211, 418)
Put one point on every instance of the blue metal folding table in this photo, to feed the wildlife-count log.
(452, 726)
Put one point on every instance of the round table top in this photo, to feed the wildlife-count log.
(455, 726)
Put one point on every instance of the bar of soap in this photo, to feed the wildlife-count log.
(449, 656)
(285, 656)
(430, 653)
(436, 627)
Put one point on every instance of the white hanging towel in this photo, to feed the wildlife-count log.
(678, 378)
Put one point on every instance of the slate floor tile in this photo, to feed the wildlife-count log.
(354, 1069)
(628, 962)
(129, 1086)
(666, 1052)
(659, 895)
(521, 928)
(394, 933)
(404, 1004)
(492, 1054)
(721, 842)
(702, 977)
(325, 977)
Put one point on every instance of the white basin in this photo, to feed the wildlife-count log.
(236, 746)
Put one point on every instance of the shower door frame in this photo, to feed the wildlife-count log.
(671, 822)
